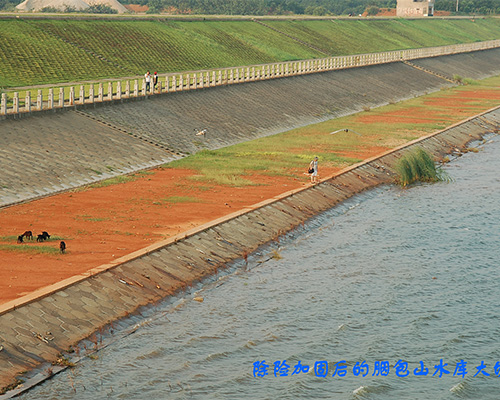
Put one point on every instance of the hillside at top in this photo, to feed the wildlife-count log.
(40, 51)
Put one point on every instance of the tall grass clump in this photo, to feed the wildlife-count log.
(416, 166)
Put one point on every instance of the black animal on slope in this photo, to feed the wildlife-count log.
(20, 239)
(62, 247)
(40, 238)
(45, 235)
(28, 235)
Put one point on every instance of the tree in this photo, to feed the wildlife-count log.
(320, 10)
(100, 9)
(155, 6)
(372, 11)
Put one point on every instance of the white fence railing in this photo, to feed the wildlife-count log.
(90, 93)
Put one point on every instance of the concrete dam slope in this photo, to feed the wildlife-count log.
(64, 150)
(48, 153)
(37, 331)
(237, 113)
(477, 65)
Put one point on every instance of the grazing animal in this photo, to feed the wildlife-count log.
(20, 239)
(62, 247)
(45, 235)
(202, 132)
(28, 235)
(40, 238)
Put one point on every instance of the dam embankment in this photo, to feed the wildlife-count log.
(39, 327)
(70, 149)
(65, 150)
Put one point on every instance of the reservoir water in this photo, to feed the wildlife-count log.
(393, 282)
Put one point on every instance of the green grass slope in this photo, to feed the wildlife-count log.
(368, 36)
(40, 51)
(29, 55)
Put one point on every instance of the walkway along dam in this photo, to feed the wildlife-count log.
(74, 309)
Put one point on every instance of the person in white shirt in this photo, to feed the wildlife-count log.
(147, 77)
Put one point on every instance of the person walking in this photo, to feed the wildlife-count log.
(147, 77)
(313, 169)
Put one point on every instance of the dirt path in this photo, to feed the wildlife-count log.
(101, 224)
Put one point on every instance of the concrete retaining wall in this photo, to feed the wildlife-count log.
(34, 330)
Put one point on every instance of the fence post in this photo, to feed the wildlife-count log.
(110, 91)
(50, 100)
(181, 82)
(167, 88)
(15, 103)
(144, 91)
(100, 92)
(119, 90)
(27, 102)
(127, 89)
(91, 93)
(82, 94)
(39, 100)
(174, 84)
(61, 97)
(3, 105)
(72, 96)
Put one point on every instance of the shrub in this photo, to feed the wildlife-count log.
(49, 10)
(100, 9)
(416, 166)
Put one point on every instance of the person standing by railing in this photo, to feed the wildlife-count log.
(155, 80)
(147, 77)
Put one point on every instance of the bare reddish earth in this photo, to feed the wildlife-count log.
(99, 225)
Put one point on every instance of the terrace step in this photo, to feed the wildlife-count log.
(446, 78)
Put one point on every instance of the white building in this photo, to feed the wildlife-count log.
(415, 8)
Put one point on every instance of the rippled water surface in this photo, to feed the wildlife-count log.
(390, 275)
